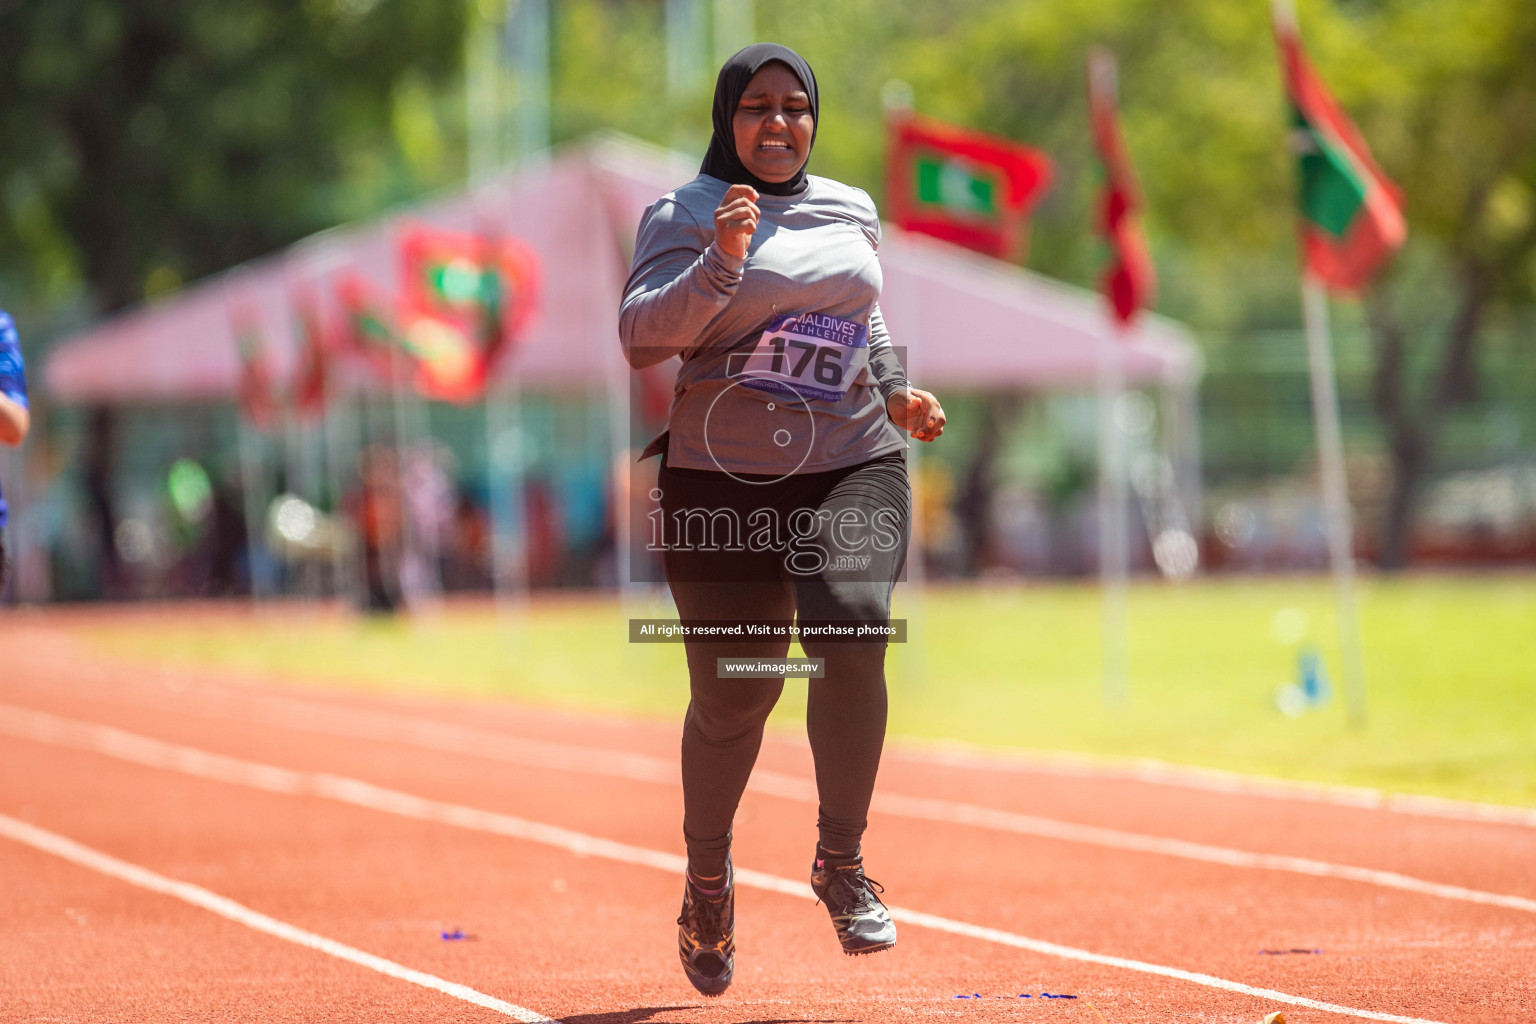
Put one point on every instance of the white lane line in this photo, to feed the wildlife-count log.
(1017, 760)
(545, 754)
(952, 753)
(60, 846)
(204, 764)
(1008, 821)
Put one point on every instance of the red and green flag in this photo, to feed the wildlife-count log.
(1351, 213)
(368, 330)
(447, 358)
(431, 349)
(464, 299)
(1129, 281)
(961, 185)
(442, 292)
(311, 384)
(512, 272)
(256, 393)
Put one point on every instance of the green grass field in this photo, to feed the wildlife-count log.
(1451, 667)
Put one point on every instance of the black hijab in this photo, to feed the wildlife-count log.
(721, 160)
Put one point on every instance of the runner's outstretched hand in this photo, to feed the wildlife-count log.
(917, 412)
(736, 219)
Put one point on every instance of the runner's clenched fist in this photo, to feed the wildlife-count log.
(917, 412)
(736, 219)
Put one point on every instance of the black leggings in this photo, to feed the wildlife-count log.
(827, 546)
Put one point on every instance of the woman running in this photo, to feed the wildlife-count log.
(783, 486)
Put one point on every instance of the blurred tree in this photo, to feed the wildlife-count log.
(1450, 93)
(1446, 94)
(146, 143)
(609, 71)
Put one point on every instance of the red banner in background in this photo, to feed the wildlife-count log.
(964, 186)
(368, 330)
(1351, 213)
(257, 392)
(311, 382)
(464, 299)
(1129, 280)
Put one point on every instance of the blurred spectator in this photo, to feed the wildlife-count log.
(428, 496)
(546, 545)
(378, 509)
(98, 461)
(225, 539)
(974, 502)
(15, 414)
(467, 566)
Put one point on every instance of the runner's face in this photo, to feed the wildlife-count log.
(773, 124)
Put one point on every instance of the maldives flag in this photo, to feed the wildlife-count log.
(311, 382)
(1351, 214)
(441, 272)
(257, 396)
(510, 291)
(464, 298)
(964, 186)
(367, 330)
(1129, 281)
(432, 350)
(448, 364)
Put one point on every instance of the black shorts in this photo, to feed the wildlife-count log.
(838, 537)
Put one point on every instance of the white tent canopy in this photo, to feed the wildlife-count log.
(966, 321)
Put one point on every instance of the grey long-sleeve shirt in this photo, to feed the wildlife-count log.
(786, 362)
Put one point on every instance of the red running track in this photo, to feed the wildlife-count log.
(115, 760)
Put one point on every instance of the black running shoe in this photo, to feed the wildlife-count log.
(706, 936)
(862, 922)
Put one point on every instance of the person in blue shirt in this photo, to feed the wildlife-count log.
(15, 415)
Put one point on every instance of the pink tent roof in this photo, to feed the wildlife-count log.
(972, 322)
(967, 321)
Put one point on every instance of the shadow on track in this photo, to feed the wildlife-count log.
(642, 1014)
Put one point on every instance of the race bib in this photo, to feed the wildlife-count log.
(813, 355)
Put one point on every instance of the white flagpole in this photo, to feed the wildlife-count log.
(336, 479)
(398, 387)
(1330, 457)
(527, 46)
(916, 598)
(430, 537)
(1114, 524)
(312, 463)
(734, 21)
(622, 472)
(253, 518)
(1114, 554)
(495, 498)
(245, 445)
(685, 46)
(357, 434)
(1336, 509)
(504, 475)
